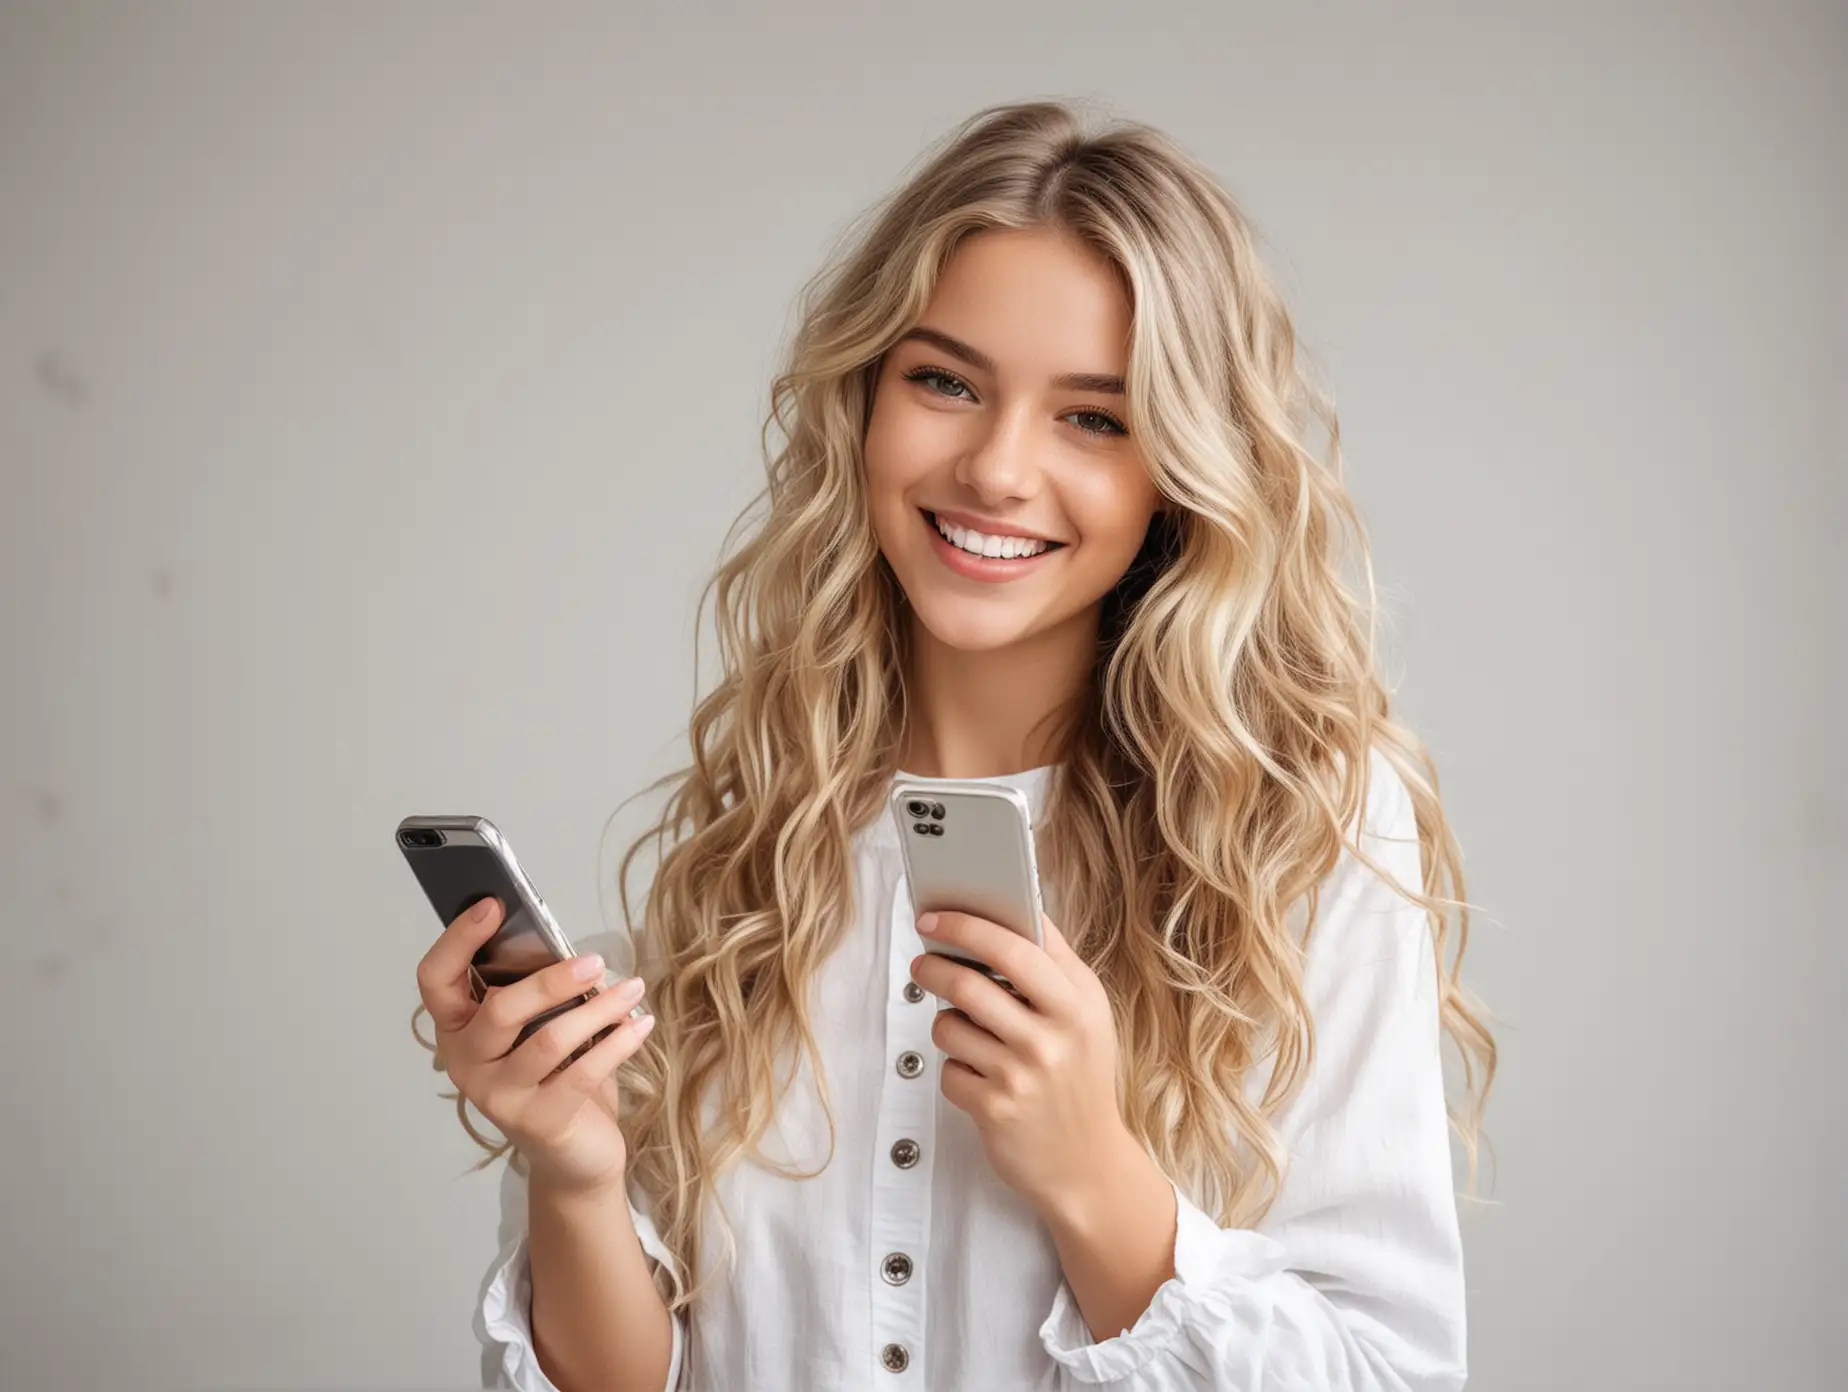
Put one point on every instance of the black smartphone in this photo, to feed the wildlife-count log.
(461, 860)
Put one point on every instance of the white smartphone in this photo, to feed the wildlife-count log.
(968, 847)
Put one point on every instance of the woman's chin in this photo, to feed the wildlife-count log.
(951, 624)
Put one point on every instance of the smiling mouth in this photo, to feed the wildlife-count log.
(981, 546)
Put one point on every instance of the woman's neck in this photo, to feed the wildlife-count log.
(982, 714)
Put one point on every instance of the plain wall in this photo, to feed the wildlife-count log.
(377, 382)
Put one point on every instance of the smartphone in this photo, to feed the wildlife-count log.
(461, 860)
(968, 847)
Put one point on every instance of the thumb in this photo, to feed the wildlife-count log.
(1056, 947)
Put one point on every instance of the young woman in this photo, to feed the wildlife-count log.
(1044, 515)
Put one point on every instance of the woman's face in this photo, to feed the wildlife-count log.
(999, 420)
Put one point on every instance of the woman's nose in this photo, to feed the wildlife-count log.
(1002, 464)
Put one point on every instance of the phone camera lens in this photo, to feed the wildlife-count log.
(933, 829)
(936, 810)
(921, 828)
(917, 809)
(420, 837)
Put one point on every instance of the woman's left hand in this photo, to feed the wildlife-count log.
(1038, 1076)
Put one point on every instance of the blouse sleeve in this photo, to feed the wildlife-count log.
(1353, 1281)
(503, 1317)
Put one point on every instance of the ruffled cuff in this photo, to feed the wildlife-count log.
(1215, 1271)
(504, 1321)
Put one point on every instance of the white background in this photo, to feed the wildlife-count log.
(377, 382)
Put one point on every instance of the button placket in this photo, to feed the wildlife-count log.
(902, 1164)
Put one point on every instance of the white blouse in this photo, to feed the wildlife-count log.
(908, 1265)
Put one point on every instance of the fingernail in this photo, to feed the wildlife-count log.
(588, 967)
(630, 988)
(928, 923)
(483, 909)
(643, 1025)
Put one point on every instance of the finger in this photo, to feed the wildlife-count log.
(558, 1099)
(990, 1004)
(506, 1010)
(1087, 989)
(442, 974)
(968, 1043)
(1023, 963)
(965, 1089)
(539, 1056)
(1056, 947)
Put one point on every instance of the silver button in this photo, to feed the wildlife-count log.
(896, 1268)
(905, 1153)
(895, 1358)
(910, 1064)
(913, 992)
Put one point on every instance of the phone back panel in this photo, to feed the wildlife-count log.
(475, 862)
(980, 859)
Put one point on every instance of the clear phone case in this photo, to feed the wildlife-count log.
(968, 847)
(471, 860)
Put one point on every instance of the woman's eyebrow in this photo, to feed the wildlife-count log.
(975, 357)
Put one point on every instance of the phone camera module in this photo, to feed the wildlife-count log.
(420, 837)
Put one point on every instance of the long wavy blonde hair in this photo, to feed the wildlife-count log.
(1207, 772)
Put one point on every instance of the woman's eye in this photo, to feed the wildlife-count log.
(925, 374)
(1109, 425)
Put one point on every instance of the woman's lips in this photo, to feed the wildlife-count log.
(989, 568)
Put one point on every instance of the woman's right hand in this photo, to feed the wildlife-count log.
(564, 1125)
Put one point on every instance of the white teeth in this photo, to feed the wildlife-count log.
(1006, 548)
